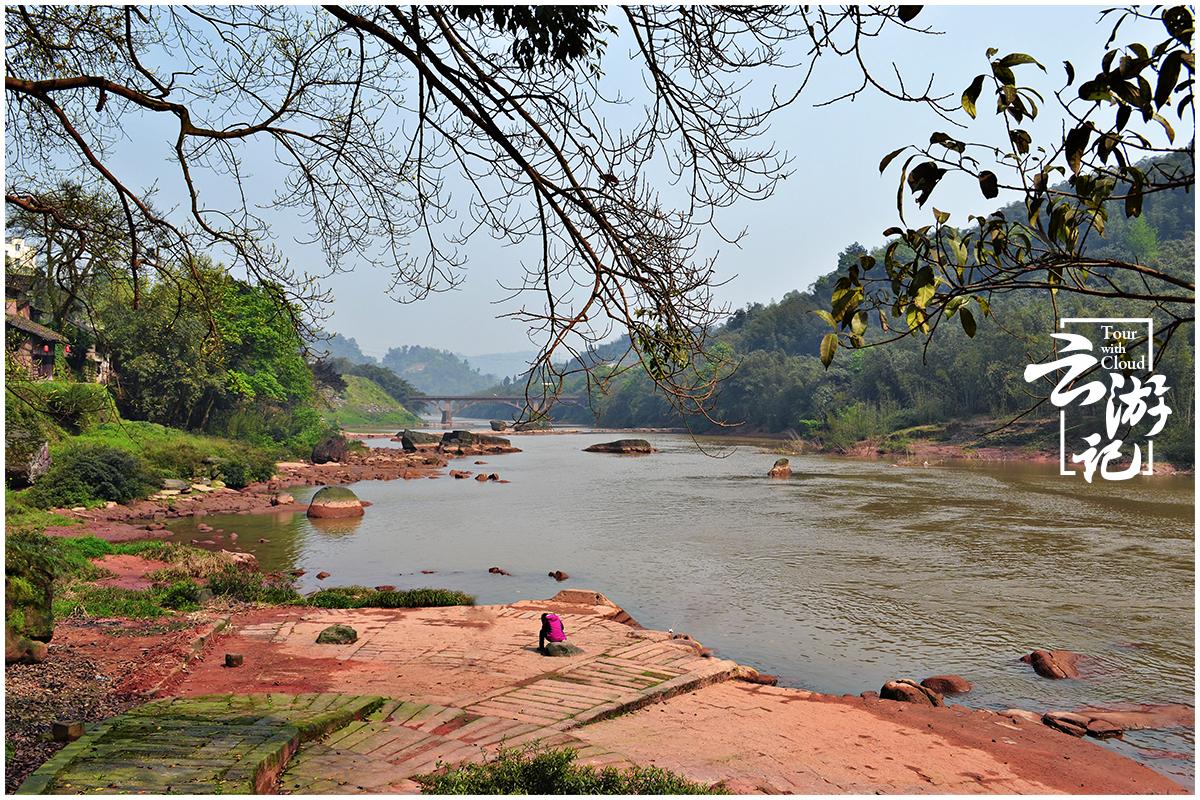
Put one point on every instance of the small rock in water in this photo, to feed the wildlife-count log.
(481, 477)
(1054, 664)
(338, 634)
(782, 469)
(947, 684)
(498, 571)
(558, 575)
(1066, 722)
(493, 477)
(322, 575)
(296, 573)
(428, 571)
(263, 541)
(385, 588)
(905, 690)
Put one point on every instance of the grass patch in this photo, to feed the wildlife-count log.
(362, 597)
(366, 404)
(20, 517)
(104, 602)
(555, 772)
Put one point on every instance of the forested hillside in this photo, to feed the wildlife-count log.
(436, 371)
(885, 392)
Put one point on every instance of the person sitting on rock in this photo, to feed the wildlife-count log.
(552, 631)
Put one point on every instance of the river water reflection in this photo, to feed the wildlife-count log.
(850, 573)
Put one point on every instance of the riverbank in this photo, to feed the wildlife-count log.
(142, 519)
(632, 696)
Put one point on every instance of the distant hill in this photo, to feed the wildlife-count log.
(437, 371)
(506, 365)
(338, 346)
(365, 404)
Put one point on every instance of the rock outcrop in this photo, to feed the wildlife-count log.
(498, 425)
(411, 440)
(331, 448)
(947, 684)
(622, 447)
(333, 502)
(909, 691)
(782, 469)
(561, 650)
(1054, 664)
(338, 634)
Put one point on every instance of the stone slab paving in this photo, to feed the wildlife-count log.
(221, 744)
(403, 740)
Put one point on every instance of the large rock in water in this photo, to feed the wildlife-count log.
(947, 684)
(1055, 664)
(467, 439)
(909, 691)
(782, 469)
(622, 446)
(338, 634)
(331, 448)
(409, 439)
(498, 425)
(333, 502)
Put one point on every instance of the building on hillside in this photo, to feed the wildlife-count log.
(19, 257)
(28, 343)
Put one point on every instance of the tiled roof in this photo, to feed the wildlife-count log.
(29, 326)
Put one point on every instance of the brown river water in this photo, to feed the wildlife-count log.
(848, 574)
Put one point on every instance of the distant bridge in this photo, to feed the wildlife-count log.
(451, 404)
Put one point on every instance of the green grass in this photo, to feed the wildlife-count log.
(555, 772)
(365, 404)
(172, 452)
(362, 597)
(19, 517)
(106, 602)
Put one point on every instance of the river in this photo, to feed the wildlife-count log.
(848, 574)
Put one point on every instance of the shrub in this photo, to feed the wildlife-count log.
(183, 595)
(77, 406)
(88, 474)
(555, 772)
(234, 475)
(253, 587)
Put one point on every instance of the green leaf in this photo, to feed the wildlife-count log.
(988, 184)
(1021, 140)
(941, 216)
(858, 323)
(1095, 90)
(829, 346)
(889, 157)
(1013, 59)
(1168, 77)
(968, 321)
(825, 315)
(971, 95)
(946, 141)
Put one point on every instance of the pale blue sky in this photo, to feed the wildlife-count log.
(835, 197)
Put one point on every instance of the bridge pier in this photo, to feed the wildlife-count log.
(448, 414)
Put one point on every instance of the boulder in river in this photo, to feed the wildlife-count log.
(498, 571)
(905, 690)
(558, 575)
(333, 502)
(467, 439)
(947, 684)
(782, 469)
(498, 425)
(1054, 664)
(331, 448)
(282, 499)
(622, 447)
(338, 634)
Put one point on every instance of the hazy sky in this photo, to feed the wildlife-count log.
(835, 197)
